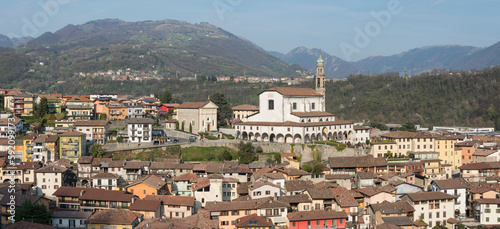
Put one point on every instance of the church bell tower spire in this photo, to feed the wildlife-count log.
(320, 76)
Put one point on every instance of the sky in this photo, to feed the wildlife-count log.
(351, 30)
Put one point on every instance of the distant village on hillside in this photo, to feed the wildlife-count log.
(105, 160)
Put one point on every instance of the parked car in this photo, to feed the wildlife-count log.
(192, 139)
(176, 140)
(169, 140)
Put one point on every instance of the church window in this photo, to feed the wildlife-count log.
(302, 120)
(294, 106)
(309, 120)
(271, 104)
(313, 106)
(321, 120)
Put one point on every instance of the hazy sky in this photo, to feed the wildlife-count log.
(351, 30)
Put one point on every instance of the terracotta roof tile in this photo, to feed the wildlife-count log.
(450, 184)
(145, 205)
(294, 91)
(258, 221)
(316, 215)
(245, 107)
(425, 196)
(192, 105)
(312, 114)
(28, 225)
(114, 217)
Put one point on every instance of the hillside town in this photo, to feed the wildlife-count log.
(326, 172)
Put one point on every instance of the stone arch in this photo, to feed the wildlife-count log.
(258, 137)
(330, 136)
(313, 137)
(6, 181)
(280, 138)
(244, 135)
(265, 137)
(307, 138)
(272, 138)
(18, 181)
(288, 138)
(297, 139)
(250, 136)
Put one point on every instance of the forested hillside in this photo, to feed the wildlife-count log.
(465, 99)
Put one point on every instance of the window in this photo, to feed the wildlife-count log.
(306, 207)
(318, 222)
(235, 213)
(268, 192)
(313, 106)
(294, 106)
(487, 210)
(271, 104)
(308, 223)
(430, 215)
(341, 221)
(487, 219)
(249, 212)
(294, 224)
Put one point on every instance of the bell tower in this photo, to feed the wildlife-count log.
(320, 76)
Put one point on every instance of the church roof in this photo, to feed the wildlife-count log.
(288, 123)
(320, 60)
(312, 114)
(295, 91)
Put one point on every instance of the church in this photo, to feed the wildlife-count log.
(295, 115)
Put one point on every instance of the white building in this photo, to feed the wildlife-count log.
(295, 115)
(139, 129)
(197, 116)
(50, 178)
(489, 211)
(433, 207)
(95, 130)
(70, 219)
(135, 110)
(361, 134)
(13, 125)
(453, 187)
(207, 189)
(263, 189)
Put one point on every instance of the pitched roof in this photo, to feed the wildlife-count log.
(295, 91)
(337, 176)
(488, 201)
(198, 220)
(261, 183)
(371, 191)
(245, 107)
(387, 226)
(140, 121)
(299, 124)
(356, 162)
(407, 134)
(320, 194)
(186, 177)
(71, 214)
(152, 181)
(312, 114)
(426, 196)
(85, 160)
(297, 185)
(345, 198)
(201, 183)
(450, 184)
(51, 169)
(316, 215)
(254, 221)
(20, 199)
(145, 205)
(136, 164)
(69, 191)
(72, 134)
(366, 175)
(28, 225)
(398, 220)
(91, 123)
(393, 208)
(301, 198)
(173, 200)
(114, 217)
(106, 195)
(235, 205)
(192, 105)
(105, 176)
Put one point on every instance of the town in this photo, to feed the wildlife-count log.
(292, 165)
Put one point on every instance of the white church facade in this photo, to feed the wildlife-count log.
(295, 115)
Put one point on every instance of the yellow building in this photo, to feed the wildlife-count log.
(20, 103)
(241, 112)
(113, 218)
(79, 112)
(72, 145)
(28, 147)
(445, 146)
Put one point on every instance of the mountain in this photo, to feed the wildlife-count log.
(5, 41)
(276, 54)
(334, 66)
(173, 48)
(426, 59)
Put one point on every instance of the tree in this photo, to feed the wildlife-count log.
(36, 213)
(277, 158)
(307, 168)
(407, 127)
(176, 125)
(378, 125)
(190, 128)
(165, 96)
(225, 156)
(42, 108)
(318, 167)
(224, 112)
(246, 153)
(96, 150)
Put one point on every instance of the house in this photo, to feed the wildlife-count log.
(197, 117)
(410, 142)
(296, 187)
(485, 155)
(387, 209)
(433, 207)
(174, 207)
(317, 219)
(479, 193)
(12, 125)
(263, 189)
(68, 197)
(46, 148)
(28, 147)
(361, 134)
(347, 201)
(274, 210)
(20, 103)
(351, 165)
(343, 180)
(322, 199)
(207, 189)
(108, 181)
(135, 110)
(115, 111)
(242, 112)
(79, 112)
(398, 221)
(139, 129)
(364, 179)
(182, 184)
(382, 148)
(149, 185)
(445, 146)
(54, 103)
(135, 169)
(373, 195)
(50, 178)
(488, 211)
(453, 187)
(93, 199)
(301, 202)
(253, 221)
(227, 213)
(114, 218)
(95, 130)
(70, 219)
(151, 209)
(26, 224)
(194, 221)
(72, 145)
(23, 172)
(403, 188)
(6, 204)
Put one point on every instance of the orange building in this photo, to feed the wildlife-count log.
(468, 148)
(115, 111)
(150, 185)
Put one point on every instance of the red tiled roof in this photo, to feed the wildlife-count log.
(192, 105)
(245, 107)
(145, 205)
(295, 91)
(259, 221)
(312, 114)
(114, 217)
(288, 123)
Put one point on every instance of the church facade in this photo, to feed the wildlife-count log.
(295, 115)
